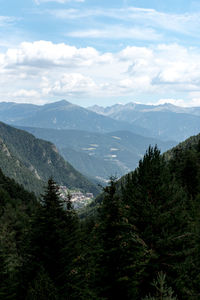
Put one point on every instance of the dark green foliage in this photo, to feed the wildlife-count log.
(16, 207)
(160, 202)
(186, 166)
(158, 209)
(52, 244)
(162, 292)
(146, 229)
(42, 287)
(123, 253)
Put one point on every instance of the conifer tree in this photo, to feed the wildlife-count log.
(52, 242)
(162, 291)
(122, 252)
(158, 209)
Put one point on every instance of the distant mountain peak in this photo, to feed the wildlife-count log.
(59, 103)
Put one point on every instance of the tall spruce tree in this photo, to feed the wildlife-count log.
(52, 245)
(122, 253)
(158, 209)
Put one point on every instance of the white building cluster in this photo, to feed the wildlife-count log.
(78, 198)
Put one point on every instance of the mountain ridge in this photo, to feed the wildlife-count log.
(38, 158)
(62, 115)
(166, 121)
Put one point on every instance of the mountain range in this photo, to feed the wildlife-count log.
(62, 115)
(166, 121)
(100, 142)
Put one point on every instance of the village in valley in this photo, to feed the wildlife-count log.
(78, 198)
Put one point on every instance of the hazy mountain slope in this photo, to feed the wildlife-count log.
(62, 115)
(38, 157)
(100, 155)
(91, 166)
(169, 125)
(167, 122)
(11, 111)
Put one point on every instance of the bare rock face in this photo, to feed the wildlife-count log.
(4, 148)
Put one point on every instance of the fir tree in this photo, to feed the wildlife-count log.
(158, 209)
(162, 291)
(122, 252)
(52, 242)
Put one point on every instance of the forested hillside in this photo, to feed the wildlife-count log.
(142, 242)
(16, 208)
(32, 161)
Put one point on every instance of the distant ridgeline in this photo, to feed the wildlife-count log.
(32, 161)
(141, 243)
(100, 142)
(166, 121)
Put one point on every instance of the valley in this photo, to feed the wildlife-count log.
(117, 138)
(99, 150)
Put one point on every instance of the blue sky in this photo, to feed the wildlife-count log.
(100, 52)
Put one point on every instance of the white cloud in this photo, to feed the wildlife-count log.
(165, 64)
(5, 20)
(183, 23)
(72, 83)
(44, 54)
(134, 33)
(177, 102)
(43, 70)
(139, 84)
(180, 102)
(194, 98)
(26, 94)
(187, 23)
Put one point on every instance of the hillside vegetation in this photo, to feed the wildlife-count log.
(32, 161)
(142, 243)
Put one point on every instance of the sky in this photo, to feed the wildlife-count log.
(100, 51)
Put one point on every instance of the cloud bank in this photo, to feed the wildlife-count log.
(44, 70)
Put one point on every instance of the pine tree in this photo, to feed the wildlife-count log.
(162, 291)
(122, 253)
(158, 209)
(42, 287)
(52, 242)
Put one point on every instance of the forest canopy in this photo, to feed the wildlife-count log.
(141, 242)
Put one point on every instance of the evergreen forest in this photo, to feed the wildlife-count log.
(141, 239)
